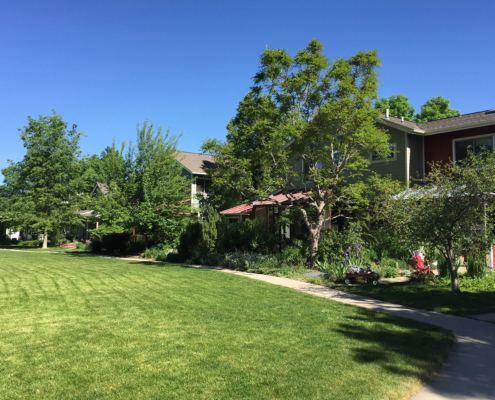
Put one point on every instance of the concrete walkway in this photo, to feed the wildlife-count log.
(469, 372)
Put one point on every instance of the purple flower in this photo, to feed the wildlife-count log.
(357, 247)
(349, 248)
(343, 263)
(347, 258)
(345, 254)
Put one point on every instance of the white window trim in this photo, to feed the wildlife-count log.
(492, 135)
(394, 158)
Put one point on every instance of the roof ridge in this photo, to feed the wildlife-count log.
(191, 152)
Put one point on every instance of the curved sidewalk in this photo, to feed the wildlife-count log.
(469, 372)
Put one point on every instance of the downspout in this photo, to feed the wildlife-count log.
(424, 161)
(408, 155)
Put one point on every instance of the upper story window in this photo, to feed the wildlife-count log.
(476, 144)
(203, 185)
(306, 166)
(375, 157)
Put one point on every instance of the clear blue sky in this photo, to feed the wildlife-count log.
(106, 65)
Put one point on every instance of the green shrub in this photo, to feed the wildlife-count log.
(136, 247)
(334, 244)
(252, 235)
(115, 242)
(382, 246)
(80, 245)
(443, 268)
(55, 239)
(333, 270)
(476, 267)
(158, 252)
(94, 246)
(248, 261)
(174, 257)
(190, 242)
(389, 272)
(104, 230)
(389, 263)
(31, 243)
(4, 239)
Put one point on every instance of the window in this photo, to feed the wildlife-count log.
(477, 145)
(375, 157)
(203, 185)
(306, 166)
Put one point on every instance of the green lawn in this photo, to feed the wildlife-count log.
(96, 328)
(433, 297)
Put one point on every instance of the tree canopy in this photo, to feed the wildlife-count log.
(398, 106)
(146, 190)
(307, 125)
(436, 108)
(45, 190)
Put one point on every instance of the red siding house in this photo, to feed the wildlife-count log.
(448, 139)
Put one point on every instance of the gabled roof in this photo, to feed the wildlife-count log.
(195, 163)
(282, 198)
(102, 187)
(481, 118)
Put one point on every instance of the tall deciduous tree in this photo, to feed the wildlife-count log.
(436, 108)
(451, 210)
(43, 191)
(303, 109)
(146, 190)
(398, 106)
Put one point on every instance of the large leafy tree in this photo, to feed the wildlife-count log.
(398, 106)
(436, 108)
(146, 190)
(451, 210)
(43, 191)
(303, 110)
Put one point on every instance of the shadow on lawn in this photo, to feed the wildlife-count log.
(467, 373)
(431, 297)
(396, 344)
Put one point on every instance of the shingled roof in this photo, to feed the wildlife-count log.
(480, 118)
(195, 162)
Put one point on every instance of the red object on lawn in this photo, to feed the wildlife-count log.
(371, 278)
(417, 261)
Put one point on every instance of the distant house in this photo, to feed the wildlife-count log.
(194, 166)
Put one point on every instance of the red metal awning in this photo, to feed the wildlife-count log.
(242, 209)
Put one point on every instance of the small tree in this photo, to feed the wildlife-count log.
(450, 211)
(398, 106)
(306, 111)
(43, 191)
(436, 108)
(146, 190)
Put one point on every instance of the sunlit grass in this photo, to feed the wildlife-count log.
(85, 327)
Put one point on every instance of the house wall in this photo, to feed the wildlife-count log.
(397, 168)
(438, 148)
(415, 145)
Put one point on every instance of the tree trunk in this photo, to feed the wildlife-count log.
(45, 239)
(453, 277)
(315, 237)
